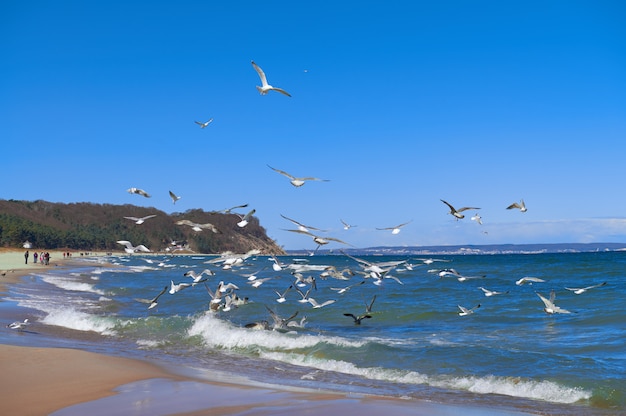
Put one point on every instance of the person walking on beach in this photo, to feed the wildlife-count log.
(26, 257)
(35, 257)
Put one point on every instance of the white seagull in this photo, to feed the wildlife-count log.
(396, 229)
(489, 293)
(197, 278)
(456, 213)
(529, 280)
(198, 227)
(301, 227)
(581, 290)
(521, 206)
(346, 226)
(245, 219)
(265, 87)
(138, 192)
(465, 311)
(281, 296)
(203, 125)
(130, 249)
(140, 220)
(175, 288)
(550, 307)
(320, 305)
(153, 302)
(320, 241)
(19, 326)
(297, 182)
(477, 218)
(228, 210)
(174, 197)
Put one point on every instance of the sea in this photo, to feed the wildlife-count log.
(507, 353)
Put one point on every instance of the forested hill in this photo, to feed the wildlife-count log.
(92, 227)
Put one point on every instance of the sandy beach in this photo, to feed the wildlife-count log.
(66, 381)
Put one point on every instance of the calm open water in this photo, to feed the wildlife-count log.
(508, 353)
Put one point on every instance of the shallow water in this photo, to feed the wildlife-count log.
(508, 353)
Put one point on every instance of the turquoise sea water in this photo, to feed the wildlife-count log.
(509, 353)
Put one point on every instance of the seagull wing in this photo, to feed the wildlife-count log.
(261, 73)
(280, 90)
(465, 209)
(282, 172)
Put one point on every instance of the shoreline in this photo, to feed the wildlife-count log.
(68, 381)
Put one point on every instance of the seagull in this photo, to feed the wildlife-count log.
(203, 125)
(265, 87)
(280, 323)
(369, 306)
(130, 249)
(396, 229)
(456, 213)
(465, 311)
(174, 288)
(138, 192)
(489, 293)
(320, 305)
(153, 302)
(198, 227)
(297, 182)
(140, 220)
(302, 227)
(19, 326)
(228, 210)
(529, 280)
(477, 218)
(357, 319)
(281, 296)
(459, 276)
(342, 290)
(346, 226)
(245, 219)
(581, 290)
(174, 197)
(258, 282)
(320, 241)
(277, 264)
(197, 278)
(521, 206)
(550, 307)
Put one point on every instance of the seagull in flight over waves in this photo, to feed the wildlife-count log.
(346, 226)
(197, 278)
(581, 290)
(529, 280)
(280, 323)
(130, 249)
(198, 227)
(203, 125)
(320, 305)
(295, 181)
(19, 326)
(265, 87)
(456, 213)
(281, 296)
(550, 307)
(521, 206)
(320, 241)
(153, 302)
(302, 227)
(175, 288)
(245, 219)
(465, 311)
(140, 220)
(174, 197)
(229, 210)
(357, 319)
(396, 229)
(138, 192)
(489, 293)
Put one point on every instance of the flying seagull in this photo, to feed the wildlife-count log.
(297, 182)
(357, 319)
(138, 192)
(477, 218)
(198, 227)
(529, 280)
(265, 87)
(140, 220)
(245, 219)
(228, 210)
(319, 240)
(174, 197)
(346, 226)
(465, 311)
(581, 290)
(396, 229)
(203, 125)
(521, 206)
(550, 307)
(130, 249)
(456, 213)
(153, 302)
(489, 293)
(301, 226)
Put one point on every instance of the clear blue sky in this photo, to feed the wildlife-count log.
(398, 104)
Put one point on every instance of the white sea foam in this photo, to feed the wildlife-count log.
(221, 334)
(70, 284)
(537, 390)
(68, 317)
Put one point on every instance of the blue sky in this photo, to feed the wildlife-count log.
(398, 104)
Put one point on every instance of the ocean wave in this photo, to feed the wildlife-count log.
(79, 321)
(69, 284)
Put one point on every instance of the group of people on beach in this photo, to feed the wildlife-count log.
(43, 257)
